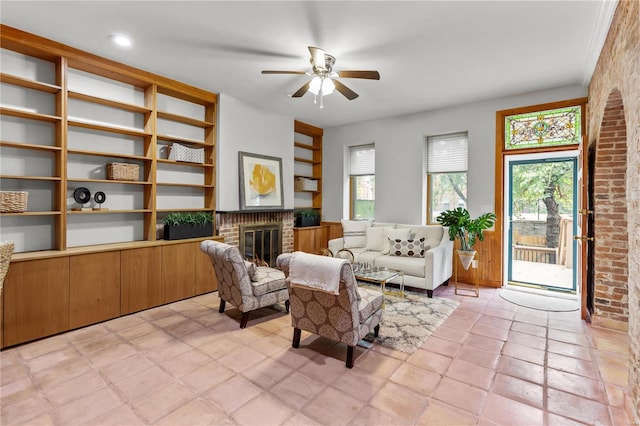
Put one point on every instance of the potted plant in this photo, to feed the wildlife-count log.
(181, 225)
(466, 230)
(307, 217)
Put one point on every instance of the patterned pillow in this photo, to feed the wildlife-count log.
(407, 248)
(251, 270)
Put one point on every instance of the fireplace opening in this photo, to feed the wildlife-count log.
(261, 242)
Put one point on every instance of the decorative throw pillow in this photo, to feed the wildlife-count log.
(251, 270)
(395, 234)
(376, 238)
(407, 248)
(354, 233)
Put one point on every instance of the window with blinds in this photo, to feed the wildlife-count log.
(362, 178)
(447, 163)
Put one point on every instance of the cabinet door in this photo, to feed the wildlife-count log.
(36, 299)
(205, 276)
(94, 288)
(141, 279)
(304, 240)
(311, 239)
(178, 272)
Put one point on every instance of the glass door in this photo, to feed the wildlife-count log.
(541, 207)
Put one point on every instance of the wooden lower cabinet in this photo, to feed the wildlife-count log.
(311, 239)
(178, 271)
(205, 275)
(140, 279)
(47, 296)
(35, 300)
(94, 288)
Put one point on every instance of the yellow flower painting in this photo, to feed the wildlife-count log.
(260, 182)
(263, 181)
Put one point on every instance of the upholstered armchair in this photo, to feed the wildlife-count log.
(242, 283)
(346, 317)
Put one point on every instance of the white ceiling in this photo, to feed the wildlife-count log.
(430, 54)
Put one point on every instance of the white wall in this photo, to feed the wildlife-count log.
(243, 127)
(399, 141)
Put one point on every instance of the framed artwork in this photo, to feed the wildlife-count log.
(260, 182)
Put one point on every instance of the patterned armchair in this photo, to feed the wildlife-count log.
(346, 317)
(241, 283)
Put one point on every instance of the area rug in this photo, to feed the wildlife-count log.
(558, 303)
(407, 322)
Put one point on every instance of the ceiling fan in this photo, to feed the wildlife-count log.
(324, 80)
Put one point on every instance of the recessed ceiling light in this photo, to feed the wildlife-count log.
(120, 40)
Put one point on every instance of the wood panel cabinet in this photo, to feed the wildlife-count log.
(45, 296)
(35, 300)
(140, 279)
(311, 239)
(206, 280)
(178, 272)
(94, 288)
(489, 272)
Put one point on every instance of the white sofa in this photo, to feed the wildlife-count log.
(398, 246)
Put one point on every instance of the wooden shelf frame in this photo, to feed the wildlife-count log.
(109, 103)
(32, 146)
(314, 159)
(64, 59)
(30, 84)
(30, 115)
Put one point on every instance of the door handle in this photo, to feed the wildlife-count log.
(583, 238)
(585, 212)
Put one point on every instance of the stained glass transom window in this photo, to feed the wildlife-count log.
(543, 128)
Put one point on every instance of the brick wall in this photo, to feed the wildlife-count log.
(617, 78)
(228, 225)
(610, 214)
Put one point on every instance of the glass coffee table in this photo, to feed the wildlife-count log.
(379, 275)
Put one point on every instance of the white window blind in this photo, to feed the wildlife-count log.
(362, 160)
(447, 153)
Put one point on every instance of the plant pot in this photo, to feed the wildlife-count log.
(466, 257)
(180, 232)
(303, 221)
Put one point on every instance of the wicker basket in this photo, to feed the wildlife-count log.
(123, 171)
(13, 201)
(6, 250)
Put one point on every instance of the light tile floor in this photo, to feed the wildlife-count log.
(490, 363)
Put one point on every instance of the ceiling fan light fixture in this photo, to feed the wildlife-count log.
(326, 84)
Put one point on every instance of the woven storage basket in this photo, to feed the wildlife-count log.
(6, 250)
(122, 171)
(13, 201)
(184, 153)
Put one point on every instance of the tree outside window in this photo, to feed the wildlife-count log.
(362, 179)
(363, 190)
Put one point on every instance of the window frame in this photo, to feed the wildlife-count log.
(352, 180)
(429, 179)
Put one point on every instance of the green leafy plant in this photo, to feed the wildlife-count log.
(307, 213)
(188, 218)
(465, 229)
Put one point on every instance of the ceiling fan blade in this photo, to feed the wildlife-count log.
(301, 91)
(371, 75)
(317, 57)
(282, 72)
(348, 93)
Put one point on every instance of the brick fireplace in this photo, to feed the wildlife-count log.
(229, 223)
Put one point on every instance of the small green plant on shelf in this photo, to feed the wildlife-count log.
(185, 218)
(307, 217)
(181, 225)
